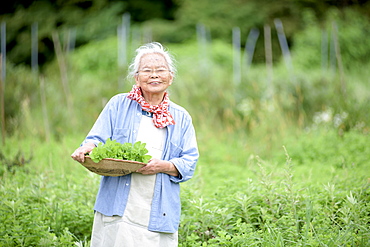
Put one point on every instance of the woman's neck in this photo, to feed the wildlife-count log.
(153, 99)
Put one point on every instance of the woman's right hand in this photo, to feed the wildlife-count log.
(79, 153)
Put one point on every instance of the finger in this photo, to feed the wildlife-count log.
(82, 157)
(74, 155)
(140, 170)
(78, 155)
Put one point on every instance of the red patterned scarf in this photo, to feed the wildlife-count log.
(161, 116)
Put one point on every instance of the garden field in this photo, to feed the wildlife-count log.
(284, 147)
(313, 190)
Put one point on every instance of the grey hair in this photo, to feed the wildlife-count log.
(149, 48)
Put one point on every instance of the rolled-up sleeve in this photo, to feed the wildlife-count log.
(186, 152)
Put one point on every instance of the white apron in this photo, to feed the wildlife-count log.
(131, 230)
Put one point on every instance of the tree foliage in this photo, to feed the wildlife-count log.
(168, 20)
(87, 20)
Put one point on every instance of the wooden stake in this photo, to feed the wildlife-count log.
(44, 108)
(34, 48)
(63, 72)
(2, 92)
(2, 78)
(3, 51)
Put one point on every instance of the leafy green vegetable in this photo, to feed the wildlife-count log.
(116, 150)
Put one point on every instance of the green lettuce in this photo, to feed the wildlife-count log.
(116, 150)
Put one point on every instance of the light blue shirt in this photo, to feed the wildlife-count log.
(120, 120)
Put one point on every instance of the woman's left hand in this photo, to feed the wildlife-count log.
(155, 166)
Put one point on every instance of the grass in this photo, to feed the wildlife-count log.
(266, 203)
(237, 197)
(48, 201)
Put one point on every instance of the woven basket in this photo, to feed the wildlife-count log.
(112, 167)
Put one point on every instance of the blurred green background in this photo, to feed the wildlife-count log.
(239, 61)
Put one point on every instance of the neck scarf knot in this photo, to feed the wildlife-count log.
(161, 116)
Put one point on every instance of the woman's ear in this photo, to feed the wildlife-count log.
(136, 77)
(171, 78)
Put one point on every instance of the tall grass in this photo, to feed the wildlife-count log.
(46, 198)
(310, 191)
(264, 203)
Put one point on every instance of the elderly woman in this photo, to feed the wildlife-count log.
(143, 208)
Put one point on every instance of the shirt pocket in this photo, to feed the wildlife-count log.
(174, 150)
(121, 135)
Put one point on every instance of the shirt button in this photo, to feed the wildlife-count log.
(134, 131)
(126, 184)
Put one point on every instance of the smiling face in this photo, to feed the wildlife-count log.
(153, 77)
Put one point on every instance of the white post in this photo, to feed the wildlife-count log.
(236, 56)
(268, 56)
(202, 48)
(123, 34)
(283, 44)
(126, 35)
(324, 51)
(71, 40)
(285, 48)
(250, 46)
(333, 61)
(339, 58)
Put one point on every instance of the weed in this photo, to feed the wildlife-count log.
(12, 164)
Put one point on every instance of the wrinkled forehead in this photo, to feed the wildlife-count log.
(153, 60)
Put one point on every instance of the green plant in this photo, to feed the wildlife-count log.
(12, 164)
(116, 150)
(238, 196)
